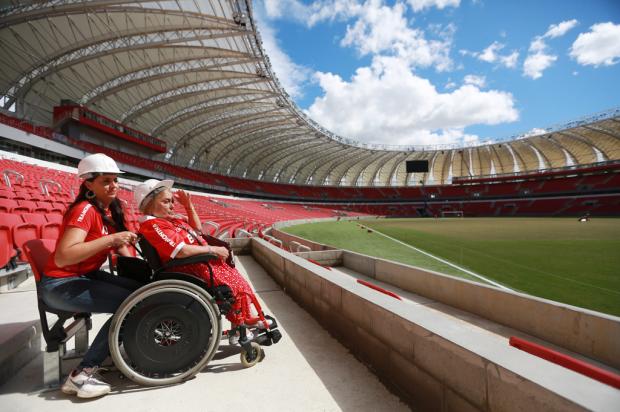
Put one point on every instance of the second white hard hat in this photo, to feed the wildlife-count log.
(97, 163)
(144, 189)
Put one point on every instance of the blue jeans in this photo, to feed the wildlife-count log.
(96, 292)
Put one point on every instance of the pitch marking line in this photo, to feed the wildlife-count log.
(469, 272)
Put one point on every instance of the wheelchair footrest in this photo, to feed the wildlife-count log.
(269, 337)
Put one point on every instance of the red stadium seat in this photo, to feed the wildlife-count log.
(20, 231)
(50, 230)
(36, 218)
(6, 246)
(44, 207)
(7, 205)
(53, 218)
(25, 206)
(37, 253)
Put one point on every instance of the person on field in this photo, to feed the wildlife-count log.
(173, 236)
(92, 227)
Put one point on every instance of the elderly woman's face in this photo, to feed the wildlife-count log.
(162, 205)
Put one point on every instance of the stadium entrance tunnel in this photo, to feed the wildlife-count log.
(442, 343)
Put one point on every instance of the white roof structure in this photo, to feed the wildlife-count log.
(194, 74)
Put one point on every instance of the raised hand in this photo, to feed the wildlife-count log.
(183, 198)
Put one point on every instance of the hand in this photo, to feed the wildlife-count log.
(123, 238)
(222, 252)
(183, 198)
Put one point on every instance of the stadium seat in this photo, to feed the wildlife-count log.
(36, 218)
(50, 230)
(19, 231)
(53, 218)
(25, 206)
(7, 205)
(6, 246)
(37, 252)
(43, 207)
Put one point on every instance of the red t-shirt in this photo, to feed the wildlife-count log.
(167, 236)
(83, 216)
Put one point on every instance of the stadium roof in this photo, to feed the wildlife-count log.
(194, 73)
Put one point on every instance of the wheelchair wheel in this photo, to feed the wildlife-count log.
(165, 333)
(257, 353)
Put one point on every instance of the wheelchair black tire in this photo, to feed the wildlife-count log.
(259, 355)
(189, 308)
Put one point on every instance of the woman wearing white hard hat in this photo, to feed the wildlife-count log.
(92, 227)
(176, 237)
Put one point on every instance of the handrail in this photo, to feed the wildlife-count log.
(8, 172)
(243, 232)
(293, 243)
(303, 248)
(210, 223)
(44, 183)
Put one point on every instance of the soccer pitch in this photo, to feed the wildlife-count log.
(554, 258)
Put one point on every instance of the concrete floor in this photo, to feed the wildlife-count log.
(307, 370)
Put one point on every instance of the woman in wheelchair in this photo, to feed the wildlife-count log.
(173, 236)
(92, 227)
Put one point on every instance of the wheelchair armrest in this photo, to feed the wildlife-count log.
(202, 258)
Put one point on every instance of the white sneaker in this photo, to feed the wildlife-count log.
(260, 325)
(86, 384)
(233, 338)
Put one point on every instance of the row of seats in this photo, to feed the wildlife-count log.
(555, 182)
(26, 212)
(28, 206)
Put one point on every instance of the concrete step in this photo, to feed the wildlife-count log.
(12, 278)
(20, 329)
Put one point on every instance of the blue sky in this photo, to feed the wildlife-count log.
(421, 72)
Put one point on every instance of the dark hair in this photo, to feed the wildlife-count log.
(116, 207)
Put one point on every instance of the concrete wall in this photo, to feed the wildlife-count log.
(286, 239)
(593, 334)
(431, 363)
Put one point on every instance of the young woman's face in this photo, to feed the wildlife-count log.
(162, 205)
(105, 187)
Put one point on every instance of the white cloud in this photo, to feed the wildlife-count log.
(418, 5)
(599, 46)
(492, 55)
(536, 131)
(538, 60)
(387, 103)
(383, 29)
(489, 54)
(510, 60)
(292, 76)
(313, 13)
(478, 81)
(560, 29)
(376, 28)
(535, 64)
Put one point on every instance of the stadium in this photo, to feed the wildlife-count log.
(442, 277)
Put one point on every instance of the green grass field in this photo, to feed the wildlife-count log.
(555, 258)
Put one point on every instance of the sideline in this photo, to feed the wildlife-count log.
(469, 272)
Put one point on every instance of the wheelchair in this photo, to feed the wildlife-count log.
(169, 329)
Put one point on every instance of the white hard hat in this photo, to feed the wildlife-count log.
(142, 191)
(97, 163)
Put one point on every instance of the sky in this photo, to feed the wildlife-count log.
(435, 72)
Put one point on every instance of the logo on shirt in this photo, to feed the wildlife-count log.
(84, 211)
(163, 235)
